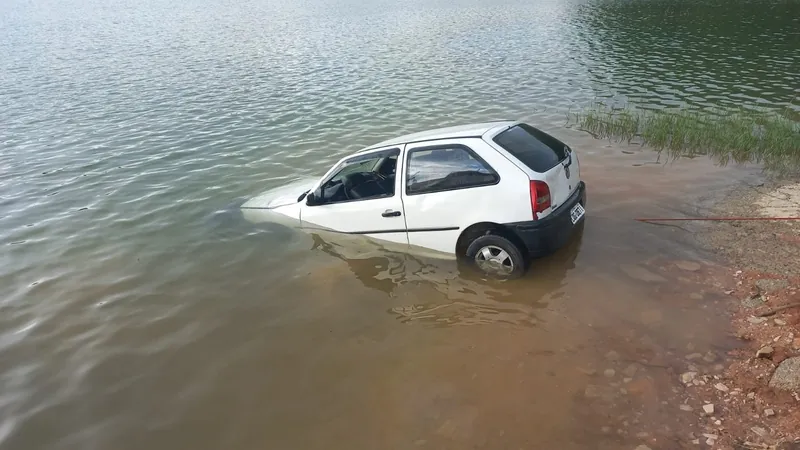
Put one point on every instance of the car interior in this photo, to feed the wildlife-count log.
(361, 181)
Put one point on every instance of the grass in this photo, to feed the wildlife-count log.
(768, 137)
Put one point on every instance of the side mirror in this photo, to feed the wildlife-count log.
(313, 198)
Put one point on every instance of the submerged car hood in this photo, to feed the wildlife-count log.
(281, 196)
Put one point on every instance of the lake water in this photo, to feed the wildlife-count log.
(138, 309)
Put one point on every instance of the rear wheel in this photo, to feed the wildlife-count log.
(496, 256)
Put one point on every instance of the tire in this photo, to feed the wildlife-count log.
(505, 260)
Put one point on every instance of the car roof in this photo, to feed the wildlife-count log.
(459, 131)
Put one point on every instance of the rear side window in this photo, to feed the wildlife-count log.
(446, 168)
(537, 150)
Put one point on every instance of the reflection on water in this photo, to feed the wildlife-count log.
(449, 292)
(138, 309)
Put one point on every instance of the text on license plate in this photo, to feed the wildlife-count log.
(576, 213)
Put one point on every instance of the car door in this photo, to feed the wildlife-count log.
(454, 183)
(360, 195)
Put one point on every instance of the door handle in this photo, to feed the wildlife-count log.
(390, 213)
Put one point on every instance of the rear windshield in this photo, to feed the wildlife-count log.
(537, 150)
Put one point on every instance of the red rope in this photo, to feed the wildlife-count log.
(716, 218)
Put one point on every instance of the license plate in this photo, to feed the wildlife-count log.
(576, 213)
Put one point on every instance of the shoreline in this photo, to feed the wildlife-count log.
(755, 402)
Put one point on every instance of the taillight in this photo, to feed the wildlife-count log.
(540, 197)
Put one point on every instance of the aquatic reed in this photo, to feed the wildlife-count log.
(768, 137)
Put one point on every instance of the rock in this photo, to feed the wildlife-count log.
(759, 431)
(609, 373)
(709, 408)
(627, 380)
(631, 370)
(756, 320)
(694, 356)
(796, 343)
(642, 447)
(779, 322)
(689, 266)
(769, 412)
(721, 387)
(696, 441)
(589, 372)
(717, 422)
(719, 368)
(591, 391)
(612, 356)
(710, 442)
(787, 375)
(751, 395)
(606, 430)
(686, 408)
(765, 352)
(651, 317)
(753, 301)
(642, 435)
(709, 357)
(696, 296)
(771, 284)
(641, 274)
(688, 377)
(710, 436)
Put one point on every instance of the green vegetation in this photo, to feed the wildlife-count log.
(768, 137)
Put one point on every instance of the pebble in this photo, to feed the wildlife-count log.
(717, 422)
(753, 319)
(686, 408)
(591, 391)
(689, 266)
(687, 377)
(751, 395)
(710, 442)
(642, 447)
(779, 322)
(627, 380)
(696, 441)
(709, 408)
(696, 296)
(642, 435)
(769, 412)
(609, 373)
(612, 356)
(631, 370)
(721, 387)
(759, 431)
(606, 430)
(765, 352)
(694, 356)
(710, 436)
(719, 368)
(709, 357)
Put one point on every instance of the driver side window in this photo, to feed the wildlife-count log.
(362, 177)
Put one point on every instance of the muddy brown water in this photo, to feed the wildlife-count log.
(389, 350)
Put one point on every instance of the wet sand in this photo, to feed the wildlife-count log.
(396, 351)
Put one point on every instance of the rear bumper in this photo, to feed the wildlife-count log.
(549, 234)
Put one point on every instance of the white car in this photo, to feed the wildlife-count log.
(496, 193)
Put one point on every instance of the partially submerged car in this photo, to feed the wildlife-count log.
(497, 194)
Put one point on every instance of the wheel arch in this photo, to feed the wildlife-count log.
(476, 230)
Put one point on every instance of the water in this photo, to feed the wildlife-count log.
(138, 310)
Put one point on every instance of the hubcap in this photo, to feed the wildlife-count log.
(493, 259)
